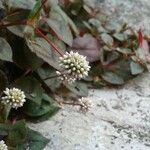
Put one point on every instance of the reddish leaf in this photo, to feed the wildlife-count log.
(87, 46)
(140, 38)
(146, 50)
(143, 45)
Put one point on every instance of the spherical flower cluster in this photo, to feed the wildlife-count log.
(85, 104)
(13, 97)
(3, 146)
(74, 66)
(65, 77)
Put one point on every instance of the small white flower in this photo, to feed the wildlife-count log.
(85, 104)
(13, 97)
(65, 77)
(74, 66)
(3, 146)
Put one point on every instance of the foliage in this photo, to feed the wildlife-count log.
(19, 137)
(34, 34)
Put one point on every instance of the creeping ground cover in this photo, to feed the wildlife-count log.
(51, 53)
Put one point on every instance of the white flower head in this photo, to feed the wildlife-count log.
(74, 66)
(65, 78)
(85, 104)
(13, 97)
(3, 146)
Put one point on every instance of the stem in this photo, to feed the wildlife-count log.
(13, 24)
(44, 85)
(51, 31)
(14, 121)
(51, 77)
(43, 2)
(44, 7)
(23, 75)
(69, 103)
(49, 42)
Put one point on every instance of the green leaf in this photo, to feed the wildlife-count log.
(4, 112)
(107, 39)
(5, 127)
(122, 68)
(5, 50)
(120, 36)
(29, 32)
(52, 3)
(45, 110)
(95, 22)
(101, 29)
(31, 87)
(35, 12)
(17, 134)
(67, 19)
(21, 147)
(3, 81)
(47, 72)
(124, 50)
(60, 26)
(136, 68)
(99, 84)
(26, 59)
(74, 7)
(91, 4)
(140, 54)
(17, 17)
(20, 4)
(60, 44)
(112, 78)
(78, 88)
(53, 110)
(17, 30)
(19, 137)
(108, 57)
(40, 113)
(36, 140)
(1, 5)
(38, 110)
(113, 25)
(3, 134)
(43, 50)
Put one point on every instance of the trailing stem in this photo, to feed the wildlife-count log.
(13, 24)
(48, 40)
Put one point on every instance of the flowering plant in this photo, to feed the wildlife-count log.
(52, 49)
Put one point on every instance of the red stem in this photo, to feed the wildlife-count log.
(44, 7)
(48, 40)
(14, 121)
(13, 24)
(43, 2)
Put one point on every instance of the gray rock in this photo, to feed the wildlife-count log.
(134, 12)
(119, 119)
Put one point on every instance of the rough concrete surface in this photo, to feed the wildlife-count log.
(120, 118)
(134, 12)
